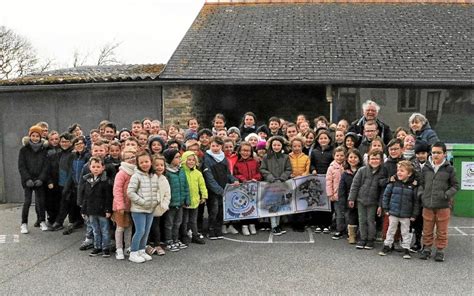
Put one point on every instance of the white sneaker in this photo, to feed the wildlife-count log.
(119, 254)
(231, 229)
(24, 228)
(245, 230)
(224, 229)
(190, 233)
(43, 226)
(252, 229)
(135, 257)
(144, 255)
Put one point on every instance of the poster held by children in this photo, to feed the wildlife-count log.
(252, 200)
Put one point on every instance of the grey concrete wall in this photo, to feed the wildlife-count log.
(61, 107)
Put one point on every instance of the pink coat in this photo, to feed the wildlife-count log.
(121, 200)
(333, 177)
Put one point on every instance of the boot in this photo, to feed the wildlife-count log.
(352, 231)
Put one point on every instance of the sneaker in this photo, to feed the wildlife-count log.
(360, 244)
(135, 257)
(172, 247)
(56, 227)
(95, 252)
(252, 229)
(37, 224)
(231, 229)
(160, 251)
(425, 254)
(416, 248)
(150, 250)
(86, 245)
(326, 230)
(144, 255)
(43, 226)
(281, 230)
(200, 235)
(119, 254)
(337, 235)
(407, 254)
(276, 231)
(224, 229)
(370, 245)
(106, 253)
(219, 235)
(24, 228)
(439, 256)
(68, 230)
(245, 230)
(318, 230)
(211, 235)
(181, 245)
(386, 250)
(198, 240)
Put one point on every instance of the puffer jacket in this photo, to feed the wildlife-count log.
(143, 192)
(196, 182)
(345, 185)
(400, 198)
(179, 187)
(440, 187)
(33, 165)
(247, 169)
(368, 185)
(390, 165)
(97, 194)
(427, 134)
(276, 166)
(333, 178)
(321, 159)
(122, 179)
(299, 164)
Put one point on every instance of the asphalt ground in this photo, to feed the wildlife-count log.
(306, 263)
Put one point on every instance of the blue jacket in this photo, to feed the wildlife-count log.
(400, 198)
(427, 134)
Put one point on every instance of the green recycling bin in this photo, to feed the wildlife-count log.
(463, 157)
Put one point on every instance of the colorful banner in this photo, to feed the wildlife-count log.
(251, 200)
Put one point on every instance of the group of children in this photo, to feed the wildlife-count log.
(148, 187)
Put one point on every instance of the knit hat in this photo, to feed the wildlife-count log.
(421, 146)
(263, 129)
(169, 154)
(233, 130)
(355, 138)
(156, 139)
(261, 145)
(35, 129)
(205, 131)
(252, 135)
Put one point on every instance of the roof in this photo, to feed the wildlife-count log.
(328, 43)
(90, 74)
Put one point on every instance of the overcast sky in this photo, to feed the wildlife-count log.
(149, 31)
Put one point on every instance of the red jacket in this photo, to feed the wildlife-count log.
(247, 169)
(231, 159)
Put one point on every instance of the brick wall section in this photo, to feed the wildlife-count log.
(177, 104)
(338, 1)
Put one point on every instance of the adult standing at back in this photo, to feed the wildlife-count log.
(370, 110)
(421, 128)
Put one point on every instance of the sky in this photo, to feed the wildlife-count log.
(148, 31)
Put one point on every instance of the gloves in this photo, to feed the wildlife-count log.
(38, 183)
(30, 183)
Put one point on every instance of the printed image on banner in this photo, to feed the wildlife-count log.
(240, 202)
(276, 199)
(310, 194)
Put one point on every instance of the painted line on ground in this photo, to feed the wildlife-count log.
(311, 237)
(269, 241)
(460, 231)
(8, 239)
(270, 238)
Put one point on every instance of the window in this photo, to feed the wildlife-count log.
(408, 100)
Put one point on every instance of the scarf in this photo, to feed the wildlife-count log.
(408, 154)
(217, 156)
(127, 168)
(36, 146)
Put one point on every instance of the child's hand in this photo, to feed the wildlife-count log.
(387, 213)
(50, 186)
(107, 215)
(314, 172)
(379, 211)
(351, 204)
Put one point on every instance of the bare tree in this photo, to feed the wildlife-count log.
(107, 54)
(17, 55)
(79, 59)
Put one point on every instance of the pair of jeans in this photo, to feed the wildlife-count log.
(367, 221)
(142, 222)
(216, 214)
(100, 228)
(189, 222)
(440, 219)
(392, 230)
(173, 221)
(39, 204)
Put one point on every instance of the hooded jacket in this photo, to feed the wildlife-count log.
(179, 187)
(440, 187)
(216, 172)
(299, 164)
(33, 165)
(97, 195)
(196, 182)
(345, 185)
(247, 169)
(143, 192)
(333, 178)
(122, 179)
(400, 198)
(275, 166)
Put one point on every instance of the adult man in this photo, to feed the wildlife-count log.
(371, 110)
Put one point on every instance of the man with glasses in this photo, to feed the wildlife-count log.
(370, 111)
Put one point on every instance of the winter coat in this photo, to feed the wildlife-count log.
(276, 166)
(427, 134)
(216, 174)
(143, 192)
(179, 187)
(438, 188)
(97, 195)
(53, 154)
(196, 182)
(122, 179)
(390, 165)
(245, 131)
(109, 169)
(368, 185)
(299, 164)
(231, 160)
(64, 167)
(247, 169)
(400, 198)
(333, 178)
(321, 159)
(33, 165)
(384, 130)
(345, 185)
(164, 196)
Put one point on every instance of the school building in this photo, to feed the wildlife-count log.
(279, 58)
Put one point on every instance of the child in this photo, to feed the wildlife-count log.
(366, 190)
(303, 127)
(179, 199)
(142, 140)
(351, 140)
(409, 147)
(113, 158)
(222, 133)
(371, 131)
(33, 167)
(231, 157)
(333, 178)
(400, 133)
(253, 139)
(146, 123)
(291, 131)
(437, 194)
(378, 144)
(248, 125)
(263, 132)
(155, 128)
(97, 205)
(247, 169)
(137, 127)
(121, 204)
(156, 145)
(217, 175)
(143, 193)
(276, 167)
(309, 137)
(173, 130)
(352, 165)
(217, 123)
(274, 126)
(343, 125)
(197, 193)
(339, 138)
(261, 150)
(204, 136)
(193, 125)
(234, 134)
(400, 204)
(299, 167)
